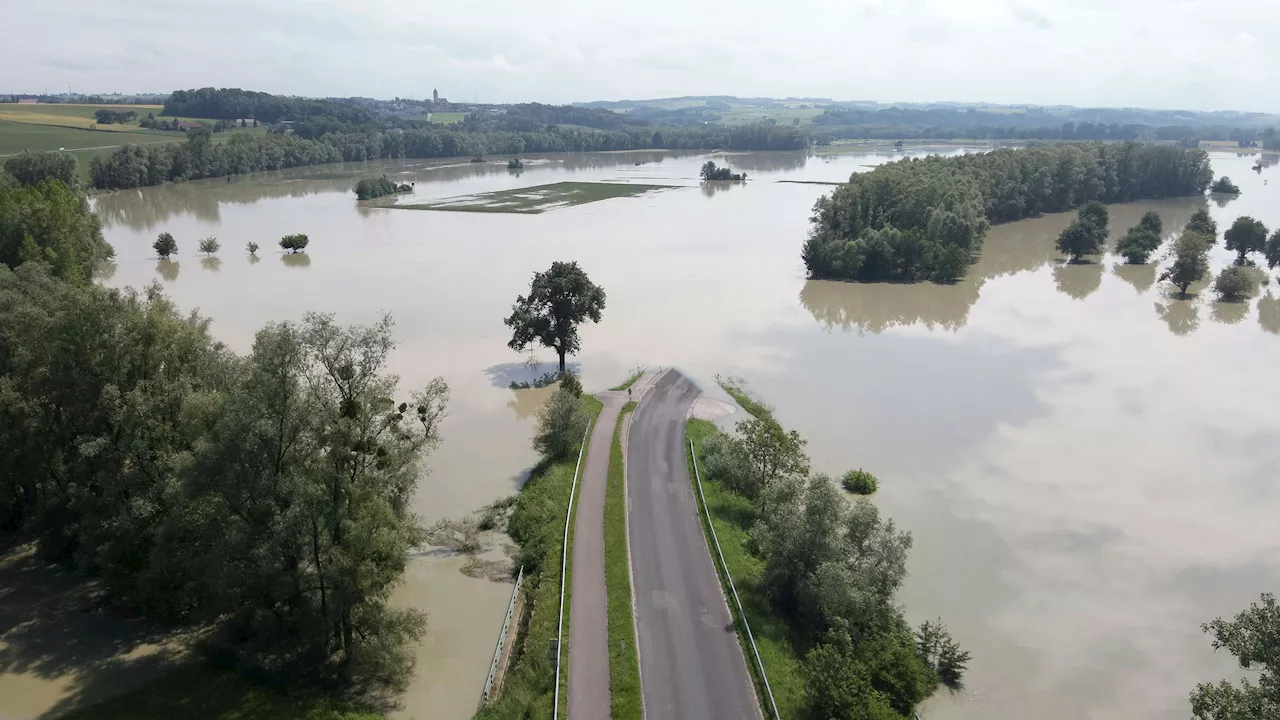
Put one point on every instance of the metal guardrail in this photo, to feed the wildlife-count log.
(564, 565)
(502, 640)
(741, 613)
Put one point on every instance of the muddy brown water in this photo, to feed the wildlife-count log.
(1086, 462)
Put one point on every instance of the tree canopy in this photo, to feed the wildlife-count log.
(1141, 240)
(1224, 185)
(925, 218)
(49, 222)
(1190, 260)
(1233, 283)
(31, 168)
(1253, 637)
(559, 300)
(1245, 236)
(1087, 235)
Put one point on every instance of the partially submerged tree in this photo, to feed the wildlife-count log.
(294, 243)
(1087, 235)
(559, 300)
(1224, 185)
(252, 247)
(1201, 222)
(942, 654)
(209, 245)
(1245, 236)
(1190, 260)
(1141, 240)
(1253, 637)
(1272, 251)
(165, 245)
(1233, 283)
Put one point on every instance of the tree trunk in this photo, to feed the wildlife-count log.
(561, 351)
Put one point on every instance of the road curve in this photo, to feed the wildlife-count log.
(691, 665)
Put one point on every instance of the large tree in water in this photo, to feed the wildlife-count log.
(559, 300)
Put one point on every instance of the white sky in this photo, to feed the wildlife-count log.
(1187, 54)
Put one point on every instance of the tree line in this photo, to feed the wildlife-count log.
(199, 157)
(265, 497)
(925, 218)
(234, 104)
(832, 569)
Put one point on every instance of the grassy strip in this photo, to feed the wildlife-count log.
(537, 524)
(629, 382)
(198, 692)
(624, 662)
(733, 515)
(737, 390)
(536, 199)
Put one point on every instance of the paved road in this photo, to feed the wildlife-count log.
(691, 665)
(588, 608)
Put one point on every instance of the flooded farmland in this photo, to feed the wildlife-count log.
(1086, 462)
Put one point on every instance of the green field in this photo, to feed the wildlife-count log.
(742, 115)
(533, 200)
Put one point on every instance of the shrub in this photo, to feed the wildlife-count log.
(165, 245)
(252, 247)
(1233, 283)
(859, 482)
(209, 245)
(561, 425)
(294, 243)
(1224, 185)
(571, 384)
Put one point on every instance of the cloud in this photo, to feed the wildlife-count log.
(1032, 17)
(1245, 38)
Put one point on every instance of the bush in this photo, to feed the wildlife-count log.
(165, 245)
(294, 243)
(370, 188)
(1233, 283)
(561, 425)
(1224, 185)
(571, 384)
(209, 245)
(859, 482)
(252, 247)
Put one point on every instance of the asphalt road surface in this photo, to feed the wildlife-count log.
(691, 665)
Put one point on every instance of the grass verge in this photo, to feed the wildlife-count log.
(537, 525)
(631, 380)
(624, 662)
(536, 199)
(737, 390)
(199, 692)
(733, 516)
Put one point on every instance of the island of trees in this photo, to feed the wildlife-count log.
(925, 218)
(1225, 186)
(370, 188)
(710, 172)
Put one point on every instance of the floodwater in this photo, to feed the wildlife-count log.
(1086, 463)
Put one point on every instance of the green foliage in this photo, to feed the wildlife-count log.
(737, 389)
(631, 380)
(559, 300)
(1224, 185)
(106, 116)
(1253, 637)
(210, 245)
(838, 683)
(370, 188)
(1202, 223)
(1141, 240)
(624, 661)
(570, 383)
(925, 218)
(711, 172)
(32, 168)
(1272, 251)
(165, 245)
(252, 247)
(859, 482)
(294, 243)
(51, 223)
(1190, 260)
(772, 455)
(941, 653)
(1233, 283)
(1087, 235)
(515, 164)
(561, 425)
(1245, 236)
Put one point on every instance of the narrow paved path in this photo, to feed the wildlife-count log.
(589, 697)
(691, 665)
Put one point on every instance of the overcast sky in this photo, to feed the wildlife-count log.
(1194, 54)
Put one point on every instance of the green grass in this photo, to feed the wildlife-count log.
(737, 389)
(733, 515)
(631, 380)
(740, 114)
(624, 661)
(447, 118)
(536, 199)
(527, 691)
(197, 692)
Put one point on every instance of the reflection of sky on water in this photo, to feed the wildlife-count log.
(1072, 470)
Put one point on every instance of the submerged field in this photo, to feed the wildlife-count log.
(536, 199)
